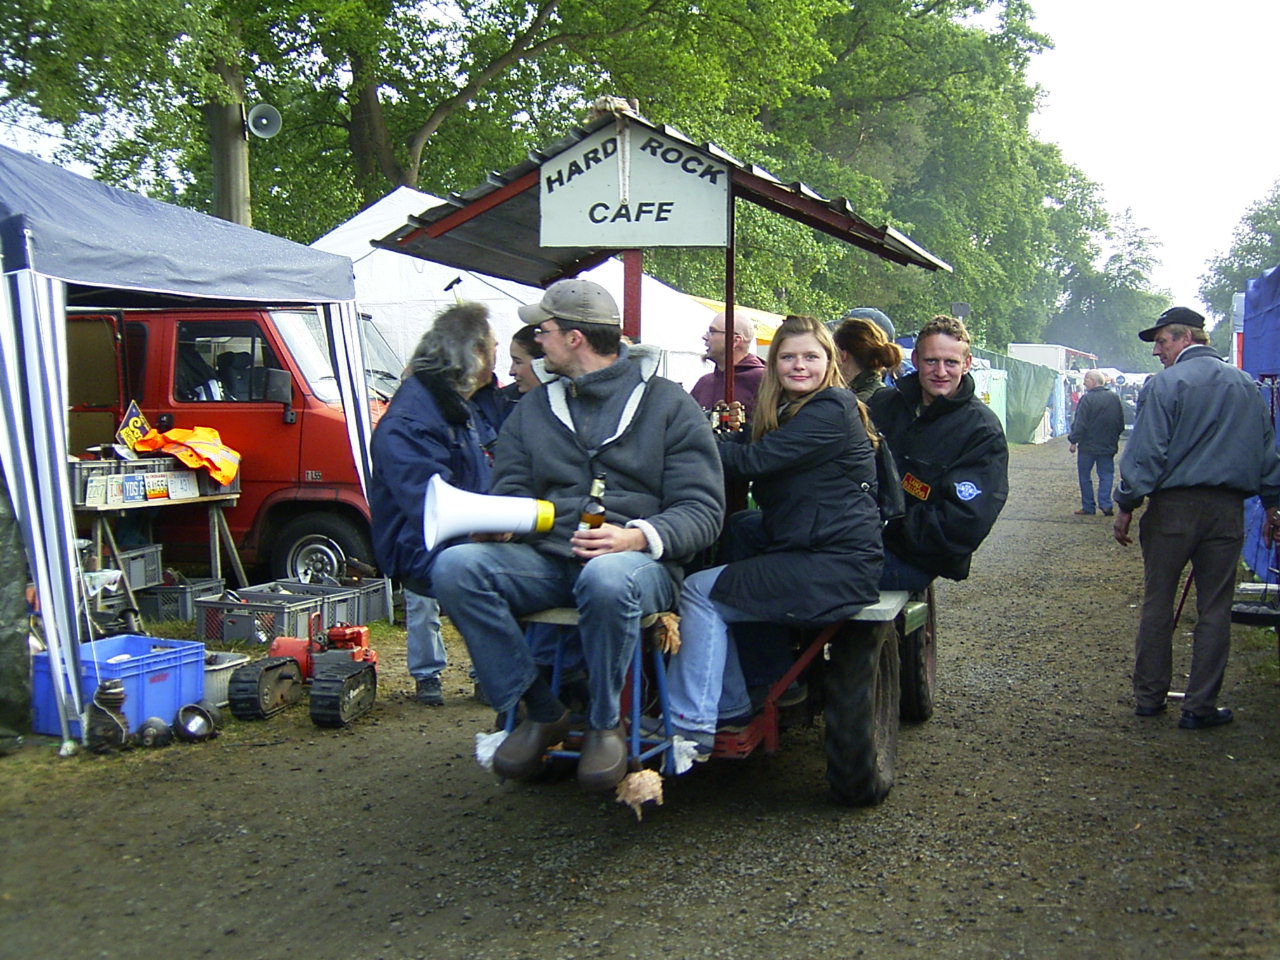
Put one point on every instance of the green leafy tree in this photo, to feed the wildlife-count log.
(1255, 247)
(382, 93)
(1105, 308)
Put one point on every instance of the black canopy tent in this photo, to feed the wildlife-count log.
(69, 241)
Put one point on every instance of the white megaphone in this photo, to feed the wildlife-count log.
(450, 512)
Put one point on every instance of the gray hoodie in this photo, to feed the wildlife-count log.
(643, 432)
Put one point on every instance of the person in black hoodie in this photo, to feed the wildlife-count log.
(952, 455)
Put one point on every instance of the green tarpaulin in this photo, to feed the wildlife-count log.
(1030, 386)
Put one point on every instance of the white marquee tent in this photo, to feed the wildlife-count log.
(404, 293)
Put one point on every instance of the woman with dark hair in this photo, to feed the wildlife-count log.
(811, 465)
(432, 426)
(524, 350)
(866, 354)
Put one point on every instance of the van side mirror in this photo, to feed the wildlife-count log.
(279, 389)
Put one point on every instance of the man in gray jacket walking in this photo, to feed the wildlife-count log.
(606, 412)
(1203, 441)
(1096, 430)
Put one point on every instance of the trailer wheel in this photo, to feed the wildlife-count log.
(861, 714)
(918, 655)
(317, 544)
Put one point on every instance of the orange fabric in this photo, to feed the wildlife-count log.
(197, 447)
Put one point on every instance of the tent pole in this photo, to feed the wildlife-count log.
(730, 299)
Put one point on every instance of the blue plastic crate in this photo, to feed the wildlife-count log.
(159, 677)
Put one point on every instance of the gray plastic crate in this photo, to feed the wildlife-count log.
(177, 602)
(374, 594)
(373, 597)
(141, 566)
(258, 620)
(337, 604)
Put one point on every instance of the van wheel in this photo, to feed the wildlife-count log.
(318, 544)
(861, 714)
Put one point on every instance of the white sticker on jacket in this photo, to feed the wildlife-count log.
(966, 490)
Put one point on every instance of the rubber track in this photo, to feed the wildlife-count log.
(342, 692)
(263, 688)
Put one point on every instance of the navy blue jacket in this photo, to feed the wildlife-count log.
(428, 429)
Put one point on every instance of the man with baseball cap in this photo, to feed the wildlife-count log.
(605, 412)
(1202, 442)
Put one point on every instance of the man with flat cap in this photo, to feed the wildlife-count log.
(1202, 443)
(604, 412)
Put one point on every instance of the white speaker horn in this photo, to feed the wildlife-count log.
(450, 512)
(264, 121)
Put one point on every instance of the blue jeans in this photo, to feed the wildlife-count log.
(704, 679)
(424, 648)
(898, 574)
(1105, 462)
(484, 587)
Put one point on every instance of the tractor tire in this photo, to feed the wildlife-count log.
(318, 544)
(861, 714)
(918, 656)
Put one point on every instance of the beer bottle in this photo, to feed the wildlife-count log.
(592, 514)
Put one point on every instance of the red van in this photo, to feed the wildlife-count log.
(263, 380)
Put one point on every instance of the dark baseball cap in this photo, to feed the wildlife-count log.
(1180, 315)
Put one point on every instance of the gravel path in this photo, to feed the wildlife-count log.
(1033, 816)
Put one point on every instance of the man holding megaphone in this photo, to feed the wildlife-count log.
(605, 412)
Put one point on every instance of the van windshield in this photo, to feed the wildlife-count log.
(304, 332)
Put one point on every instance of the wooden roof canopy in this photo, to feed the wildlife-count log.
(495, 227)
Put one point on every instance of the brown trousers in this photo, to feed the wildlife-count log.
(1205, 526)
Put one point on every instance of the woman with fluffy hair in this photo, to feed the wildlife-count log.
(816, 538)
(434, 425)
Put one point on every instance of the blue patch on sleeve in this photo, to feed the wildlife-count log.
(966, 490)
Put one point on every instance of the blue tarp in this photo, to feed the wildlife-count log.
(1261, 356)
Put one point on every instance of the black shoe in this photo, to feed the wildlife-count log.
(603, 761)
(1155, 711)
(1084, 513)
(1108, 513)
(520, 755)
(1190, 721)
(430, 692)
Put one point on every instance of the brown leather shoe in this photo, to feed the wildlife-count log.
(520, 755)
(604, 759)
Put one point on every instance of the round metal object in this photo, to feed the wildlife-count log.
(193, 723)
(154, 732)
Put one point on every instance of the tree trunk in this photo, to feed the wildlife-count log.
(229, 151)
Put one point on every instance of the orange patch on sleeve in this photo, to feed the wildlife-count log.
(916, 487)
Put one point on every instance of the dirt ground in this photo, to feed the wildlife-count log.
(1033, 816)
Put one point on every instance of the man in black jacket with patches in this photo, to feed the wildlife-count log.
(952, 455)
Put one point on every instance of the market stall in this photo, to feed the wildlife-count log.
(69, 241)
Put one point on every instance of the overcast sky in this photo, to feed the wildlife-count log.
(1170, 107)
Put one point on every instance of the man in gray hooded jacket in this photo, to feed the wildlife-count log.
(605, 412)
(1203, 441)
